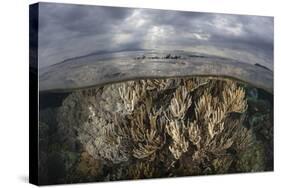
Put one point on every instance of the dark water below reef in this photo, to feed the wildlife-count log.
(155, 128)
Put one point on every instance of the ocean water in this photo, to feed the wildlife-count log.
(98, 69)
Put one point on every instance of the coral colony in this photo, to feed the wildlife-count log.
(157, 128)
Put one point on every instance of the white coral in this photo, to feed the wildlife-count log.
(234, 98)
(176, 130)
(180, 103)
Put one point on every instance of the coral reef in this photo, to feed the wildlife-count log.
(162, 128)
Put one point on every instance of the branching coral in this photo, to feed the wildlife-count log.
(212, 125)
(194, 133)
(176, 130)
(180, 103)
(130, 93)
(208, 113)
(146, 134)
(216, 123)
(234, 98)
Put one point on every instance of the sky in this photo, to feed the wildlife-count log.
(67, 31)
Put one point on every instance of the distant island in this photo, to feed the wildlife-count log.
(168, 56)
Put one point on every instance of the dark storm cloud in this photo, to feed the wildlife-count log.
(67, 31)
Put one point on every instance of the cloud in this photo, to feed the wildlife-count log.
(67, 31)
